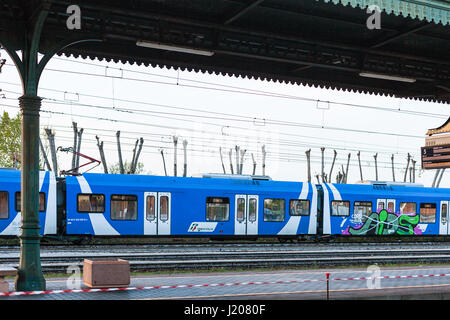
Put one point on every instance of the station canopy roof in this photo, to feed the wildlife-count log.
(321, 43)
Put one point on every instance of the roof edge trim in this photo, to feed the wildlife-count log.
(430, 10)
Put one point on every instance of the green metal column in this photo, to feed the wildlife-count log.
(30, 68)
(30, 277)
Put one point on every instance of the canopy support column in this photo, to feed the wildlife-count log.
(30, 277)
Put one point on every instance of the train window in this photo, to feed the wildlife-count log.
(150, 208)
(252, 210)
(217, 209)
(444, 213)
(123, 207)
(240, 214)
(361, 211)
(408, 207)
(90, 203)
(340, 208)
(4, 205)
(164, 208)
(274, 210)
(299, 207)
(391, 206)
(428, 212)
(41, 201)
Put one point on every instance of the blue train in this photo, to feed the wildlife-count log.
(220, 206)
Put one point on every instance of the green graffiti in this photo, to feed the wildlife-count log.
(407, 222)
(385, 223)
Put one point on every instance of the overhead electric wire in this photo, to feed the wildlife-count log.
(213, 148)
(277, 141)
(169, 127)
(247, 90)
(248, 118)
(213, 153)
(274, 122)
(276, 95)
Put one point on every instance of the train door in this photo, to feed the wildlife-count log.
(445, 212)
(157, 213)
(246, 214)
(388, 204)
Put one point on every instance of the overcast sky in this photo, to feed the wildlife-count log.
(212, 111)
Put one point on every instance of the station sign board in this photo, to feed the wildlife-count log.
(436, 157)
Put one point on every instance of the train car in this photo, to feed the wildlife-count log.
(217, 205)
(384, 208)
(10, 212)
(212, 205)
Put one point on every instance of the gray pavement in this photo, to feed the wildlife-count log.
(402, 283)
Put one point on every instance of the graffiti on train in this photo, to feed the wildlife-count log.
(385, 223)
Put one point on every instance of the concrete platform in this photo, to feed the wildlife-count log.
(349, 284)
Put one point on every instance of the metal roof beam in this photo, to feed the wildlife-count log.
(248, 32)
(400, 34)
(242, 11)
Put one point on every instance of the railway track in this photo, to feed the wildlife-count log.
(194, 259)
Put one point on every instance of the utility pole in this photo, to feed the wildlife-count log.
(344, 175)
(122, 170)
(134, 156)
(75, 134)
(102, 154)
(407, 165)
(323, 165)
(237, 159)
(231, 160)
(360, 169)
(254, 164)
(435, 178)
(41, 146)
(332, 165)
(221, 160)
(80, 133)
(263, 160)
(376, 167)
(141, 143)
(241, 165)
(346, 171)
(185, 143)
(308, 163)
(318, 178)
(51, 140)
(164, 162)
(440, 178)
(175, 142)
(393, 171)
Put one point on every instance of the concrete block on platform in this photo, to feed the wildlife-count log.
(5, 272)
(106, 273)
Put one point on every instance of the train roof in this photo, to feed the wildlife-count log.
(233, 184)
(10, 176)
(394, 190)
(239, 182)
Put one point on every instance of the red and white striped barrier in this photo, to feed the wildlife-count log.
(397, 277)
(25, 293)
